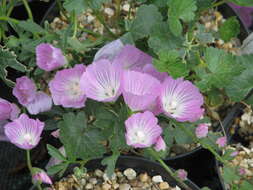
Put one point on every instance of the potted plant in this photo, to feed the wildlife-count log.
(122, 100)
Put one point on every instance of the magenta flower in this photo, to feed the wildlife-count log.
(102, 81)
(109, 51)
(24, 90)
(160, 144)
(142, 130)
(150, 69)
(42, 177)
(202, 130)
(65, 87)
(41, 103)
(140, 90)
(8, 110)
(49, 57)
(131, 58)
(24, 132)
(181, 100)
(182, 174)
(222, 141)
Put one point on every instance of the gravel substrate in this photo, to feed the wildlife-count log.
(128, 179)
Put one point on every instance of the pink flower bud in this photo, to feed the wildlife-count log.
(202, 130)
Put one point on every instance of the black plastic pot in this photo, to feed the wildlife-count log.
(140, 165)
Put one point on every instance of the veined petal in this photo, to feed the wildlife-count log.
(140, 90)
(142, 130)
(49, 57)
(65, 87)
(24, 132)
(181, 100)
(102, 81)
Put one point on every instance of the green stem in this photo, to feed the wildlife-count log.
(29, 12)
(101, 20)
(172, 174)
(219, 3)
(8, 19)
(29, 164)
(11, 8)
(74, 18)
(95, 34)
(118, 2)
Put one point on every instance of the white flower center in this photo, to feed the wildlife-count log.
(138, 137)
(171, 107)
(74, 89)
(28, 138)
(110, 92)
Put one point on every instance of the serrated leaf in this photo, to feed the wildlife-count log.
(55, 153)
(175, 26)
(229, 29)
(146, 17)
(31, 26)
(183, 9)
(230, 174)
(57, 168)
(110, 163)
(181, 137)
(221, 69)
(171, 62)
(79, 140)
(8, 59)
(77, 5)
(162, 38)
(246, 3)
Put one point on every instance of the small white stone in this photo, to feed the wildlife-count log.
(157, 179)
(93, 181)
(99, 173)
(89, 186)
(109, 11)
(130, 173)
(124, 186)
(107, 178)
(90, 18)
(126, 7)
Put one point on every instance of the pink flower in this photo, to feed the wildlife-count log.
(131, 58)
(42, 177)
(142, 130)
(49, 57)
(140, 90)
(150, 69)
(182, 174)
(41, 103)
(233, 154)
(242, 171)
(24, 132)
(160, 144)
(222, 141)
(24, 90)
(8, 110)
(202, 130)
(102, 81)
(109, 51)
(181, 100)
(65, 87)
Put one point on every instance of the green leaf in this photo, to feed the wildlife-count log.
(220, 69)
(78, 6)
(171, 62)
(162, 38)
(181, 137)
(229, 29)
(146, 17)
(31, 26)
(8, 59)
(175, 26)
(183, 9)
(230, 174)
(246, 186)
(246, 3)
(204, 4)
(79, 140)
(55, 153)
(110, 162)
(57, 168)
